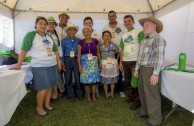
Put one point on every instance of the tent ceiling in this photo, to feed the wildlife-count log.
(96, 6)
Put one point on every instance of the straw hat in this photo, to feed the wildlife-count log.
(64, 14)
(71, 25)
(152, 19)
(87, 28)
(51, 19)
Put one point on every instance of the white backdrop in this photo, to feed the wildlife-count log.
(25, 22)
(179, 32)
(178, 26)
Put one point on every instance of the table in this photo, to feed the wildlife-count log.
(179, 88)
(12, 91)
(25, 67)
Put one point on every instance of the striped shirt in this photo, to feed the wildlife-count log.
(151, 53)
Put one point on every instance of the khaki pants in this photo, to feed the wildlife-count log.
(149, 96)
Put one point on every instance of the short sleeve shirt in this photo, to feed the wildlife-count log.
(33, 42)
(108, 51)
(87, 48)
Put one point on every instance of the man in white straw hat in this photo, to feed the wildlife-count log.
(63, 18)
(148, 67)
(70, 49)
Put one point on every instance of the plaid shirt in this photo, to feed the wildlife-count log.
(151, 53)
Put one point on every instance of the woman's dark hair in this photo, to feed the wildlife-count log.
(55, 32)
(106, 32)
(40, 18)
(129, 16)
(88, 18)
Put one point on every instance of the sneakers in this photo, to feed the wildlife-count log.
(122, 95)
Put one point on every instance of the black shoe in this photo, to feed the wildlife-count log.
(129, 100)
(134, 106)
(151, 125)
(54, 100)
(141, 116)
(41, 115)
(61, 94)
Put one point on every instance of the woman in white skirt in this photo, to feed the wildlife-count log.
(110, 71)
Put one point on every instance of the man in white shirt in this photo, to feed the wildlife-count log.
(63, 18)
(89, 22)
(117, 30)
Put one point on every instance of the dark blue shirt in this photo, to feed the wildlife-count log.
(69, 45)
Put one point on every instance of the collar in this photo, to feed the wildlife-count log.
(73, 39)
(130, 29)
(60, 25)
(151, 35)
(115, 26)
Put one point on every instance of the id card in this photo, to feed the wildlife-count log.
(89, 56)
(49, 50)
(113, 34)
(109, 60)
(62, 36)
(72, 54)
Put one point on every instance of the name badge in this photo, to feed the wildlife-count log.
(89, 56)
(72, 54)
(109, 60)
(49, 50)
(62, 36)
(113, 34)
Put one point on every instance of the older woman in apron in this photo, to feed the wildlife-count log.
(110, 71)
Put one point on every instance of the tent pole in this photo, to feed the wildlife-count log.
(152, 11)
(5, 5)
(13, 17)
(15, 5)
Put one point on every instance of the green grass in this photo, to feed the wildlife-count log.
(81, 113)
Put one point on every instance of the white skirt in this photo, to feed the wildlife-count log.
(109, 70)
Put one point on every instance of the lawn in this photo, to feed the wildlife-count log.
(81, 113)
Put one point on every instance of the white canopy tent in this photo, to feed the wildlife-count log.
(175, 15)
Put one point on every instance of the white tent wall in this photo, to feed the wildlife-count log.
(178, 30)
(25, 22)
(4, 11)
(176, 17)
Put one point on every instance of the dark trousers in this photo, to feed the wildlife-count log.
(71, 65)
(133, 93)
(119, 85)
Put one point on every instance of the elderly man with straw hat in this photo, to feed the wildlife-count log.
(148, 67)
(70, 49)
(63, 18)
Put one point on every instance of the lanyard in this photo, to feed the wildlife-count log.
(108, 48)
(89, 47)
(44, 39)
(72, 43)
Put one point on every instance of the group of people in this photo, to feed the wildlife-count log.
(58, 51)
